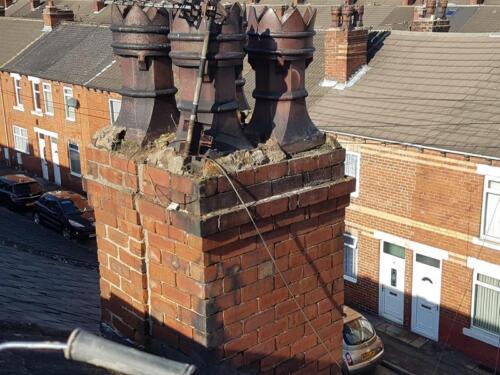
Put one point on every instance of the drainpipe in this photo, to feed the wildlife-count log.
(4, 118)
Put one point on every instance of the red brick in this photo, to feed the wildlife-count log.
(157, 177)
(190, 286)
(160, 242)
(289, 337)
(111, 175)
(257, 289)
(175, 295)
(240, 344)
(319, 236)
(99, 156)
(258, 320)
(123, 164)
(240, 312)
(259, 351)
(117, 237)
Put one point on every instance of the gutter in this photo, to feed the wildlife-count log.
(415, 145)
(4, 116)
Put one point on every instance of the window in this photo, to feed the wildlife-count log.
(114, 109)
(490, 226)
(74, 160)
(37, 97)
(21, 139)
(352, 163)
(17, 92)
(69, 107)
(47, 95)
(350, 257)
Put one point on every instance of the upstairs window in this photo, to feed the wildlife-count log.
(490, 223)
(17, 91)
(352, 164)
(74, 159)
(114, 109)
(37, 96)
(21, 139)
(69, 107)
(350, 258)
(47, 96)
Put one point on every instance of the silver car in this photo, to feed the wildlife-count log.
(362, 348)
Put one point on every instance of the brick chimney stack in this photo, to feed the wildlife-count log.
(98, 5)
(345, 43)
(5, 3)
(431, 18)
(34, 4)
(53, 16)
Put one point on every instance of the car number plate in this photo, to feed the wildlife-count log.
(366, 356)
(92, 235)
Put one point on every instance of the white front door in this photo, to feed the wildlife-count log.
(55, 161)
(426, 296)
(43, 160)
(392, 282)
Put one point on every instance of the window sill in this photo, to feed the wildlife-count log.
(37, 113)
(479, 334)
(22, 151)
(486, 243)
(75, 174)
(49, 114)
(71, 120)
(351, 279)
(19, 108)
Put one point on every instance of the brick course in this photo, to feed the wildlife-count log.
(199, 278)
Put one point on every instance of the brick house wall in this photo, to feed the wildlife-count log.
(92, 114)
(430, 198)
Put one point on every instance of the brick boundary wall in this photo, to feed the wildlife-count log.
(199, 279)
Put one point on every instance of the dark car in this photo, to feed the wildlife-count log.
(19, 191)
(67, 212)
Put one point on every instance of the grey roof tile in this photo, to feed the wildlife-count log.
(15, 35)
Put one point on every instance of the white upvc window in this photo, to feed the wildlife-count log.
(21, 139)
(352, 166)
(48, 100)
(114, 109)
(69, 109)
(37, 95)
(485, 306)
(490, 220)
(74, 159)
(350, 257)
(17, 91)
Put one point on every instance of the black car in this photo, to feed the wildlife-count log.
(19, 191)
(67, 212)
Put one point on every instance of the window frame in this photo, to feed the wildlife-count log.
(75, 174)
(67, 89)
(37, 107)
(354, 247)
(355, 193)
(27, 150)
(45, 101)
(18, 92)
(483, 235)
(111, 100)
(490, 270)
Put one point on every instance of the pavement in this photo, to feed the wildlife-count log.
(407, 353)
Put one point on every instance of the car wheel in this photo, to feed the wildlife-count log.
(66, 232)
(36, 218)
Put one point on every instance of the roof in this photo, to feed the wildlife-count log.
(83, 10)
(484, 19)
(72, 53)
(15, 35)
(17, 179)
(436, 90)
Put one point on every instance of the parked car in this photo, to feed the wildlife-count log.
(363, 350)
(18, 191)
(67, 212)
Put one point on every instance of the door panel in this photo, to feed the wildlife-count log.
(55, 161)
(43, 160)
(426, 296)
(392, 282)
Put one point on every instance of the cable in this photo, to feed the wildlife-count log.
(273, 260)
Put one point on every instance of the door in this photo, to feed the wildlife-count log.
(392, 282)
(426, 296)
(6, 156)
(43, 160)
(55, 161)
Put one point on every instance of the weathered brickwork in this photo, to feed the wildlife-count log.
(432, 199)
(200, 279)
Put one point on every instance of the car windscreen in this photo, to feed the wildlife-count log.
(358, 331)
(75, 205)
(27, 189)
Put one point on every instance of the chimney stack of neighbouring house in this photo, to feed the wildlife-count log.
(407, 2)
(345, 43)
(141, 45)
(5, 3)
(34, 4)
(431, 18)
(53, 16)
(98, 5)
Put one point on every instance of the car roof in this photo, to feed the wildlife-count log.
(17, 179)
(350, 314)
(62, 194)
